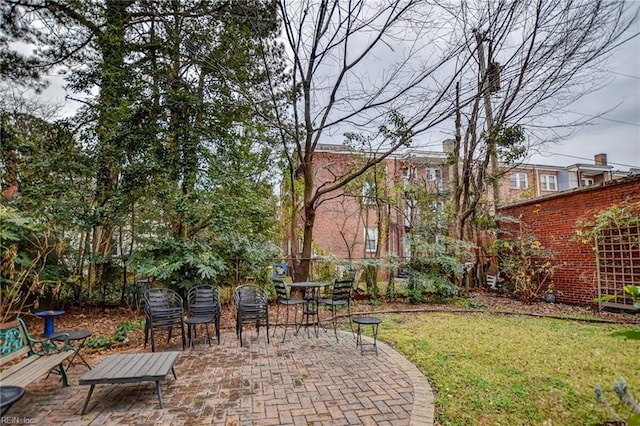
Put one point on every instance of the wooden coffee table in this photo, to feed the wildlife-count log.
(131, 368)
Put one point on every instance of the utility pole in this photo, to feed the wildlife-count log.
(486, 87)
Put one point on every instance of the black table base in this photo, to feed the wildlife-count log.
(373, 322)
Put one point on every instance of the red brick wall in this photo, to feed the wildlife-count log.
(340, 222)
(337, 218)
(553, 220)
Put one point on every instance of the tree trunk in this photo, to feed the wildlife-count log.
(302, 274)
(112, 111)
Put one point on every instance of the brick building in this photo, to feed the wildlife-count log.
(553, 220)
(527, 181)
(346, 223)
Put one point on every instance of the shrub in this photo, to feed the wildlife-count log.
(415, 295)
(441, 287)
(527, 265)
(98, 342)
(24, 247)
(621, 389)
(435, 268)
(185, 262)
(123, 328)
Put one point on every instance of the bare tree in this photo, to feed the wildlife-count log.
(374, 67)
(533, 61)
(375, 75)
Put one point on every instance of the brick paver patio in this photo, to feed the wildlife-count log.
(305, 381)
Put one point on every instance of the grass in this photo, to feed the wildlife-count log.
(516, 370)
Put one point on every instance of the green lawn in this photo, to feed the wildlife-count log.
(516, 370)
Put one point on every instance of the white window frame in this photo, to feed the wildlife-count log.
(407, 214)
(434, 174)
(516, 180)
(408, 175)
(586, 181)
(437, 206)
(370, 239)
(548, 183)
(407, 247)
(411, 211)
(367, 192)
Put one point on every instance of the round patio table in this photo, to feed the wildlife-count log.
(79, 336)
(311, 314)
(192, 322)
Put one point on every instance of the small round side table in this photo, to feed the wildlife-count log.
(81, 337)
(373, 322)
(49, 317)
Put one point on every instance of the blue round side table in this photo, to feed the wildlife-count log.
(49, 316)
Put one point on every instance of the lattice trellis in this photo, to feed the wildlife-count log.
(618, 264)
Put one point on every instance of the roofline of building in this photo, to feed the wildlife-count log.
(421, 153)
(400, 153)
(408, 153)
(534, 166)
(584, 166)
(594, 187)
(333, 147)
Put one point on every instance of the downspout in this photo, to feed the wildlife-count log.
(579, 174)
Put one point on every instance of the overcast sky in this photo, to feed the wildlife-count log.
(616, 132)
(614, 112)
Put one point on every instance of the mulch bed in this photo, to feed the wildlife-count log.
(104, 321)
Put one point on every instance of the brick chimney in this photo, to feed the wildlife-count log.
(600, 159)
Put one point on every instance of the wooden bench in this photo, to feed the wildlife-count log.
(42, 355)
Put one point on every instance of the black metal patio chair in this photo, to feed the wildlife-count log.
(252, 308)
(283, 298)
(203, 307)
(340, 297)
(164, 310)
